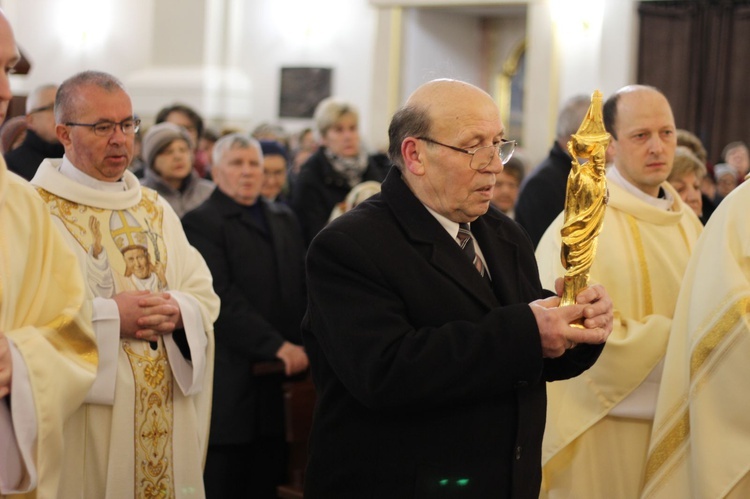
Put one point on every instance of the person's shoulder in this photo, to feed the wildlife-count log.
(21, 187)
(205, 211)
(14, 154)
(369, 220)
(313, 165)
(148, 181)
(205, 184)
(279, 208)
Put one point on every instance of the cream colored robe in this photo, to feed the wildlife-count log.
(55, 356)
(700, 446)
(144, 431)
(641, 256)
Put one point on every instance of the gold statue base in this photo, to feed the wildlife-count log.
(572, 285)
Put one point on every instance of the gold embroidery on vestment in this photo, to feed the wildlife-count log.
(153, 419)
(648, 302)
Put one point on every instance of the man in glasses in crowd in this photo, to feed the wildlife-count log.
(41, 138)
(143, 430)
(429, 335)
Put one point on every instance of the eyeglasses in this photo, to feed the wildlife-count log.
(107, 128)
(481, 157)
(48, 107)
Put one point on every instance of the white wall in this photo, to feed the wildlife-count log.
(439, 44)
(326, 33)
(235, 79)
(62, 37)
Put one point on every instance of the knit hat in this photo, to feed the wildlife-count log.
(159, 137)
(271, 148)
(723, 169)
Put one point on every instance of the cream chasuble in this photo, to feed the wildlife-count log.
(641, 257)
(41, 314)
(144, 432)
(700, 446)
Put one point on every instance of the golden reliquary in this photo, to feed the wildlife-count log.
(585, 200)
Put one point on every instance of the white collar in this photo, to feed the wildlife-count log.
(665, 203)
(69, 170)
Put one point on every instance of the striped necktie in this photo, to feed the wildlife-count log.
(466, 240)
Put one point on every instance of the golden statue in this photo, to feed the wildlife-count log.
(585, 200)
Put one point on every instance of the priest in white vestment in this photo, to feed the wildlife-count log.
(700, 445)
(599, 424)
(48, 356)
(143, 430)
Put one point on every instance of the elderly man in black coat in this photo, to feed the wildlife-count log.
(430, 337)
(255, 251)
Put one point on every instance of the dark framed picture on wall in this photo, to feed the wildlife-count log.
(302, 89)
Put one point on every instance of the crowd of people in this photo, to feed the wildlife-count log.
(148, 276)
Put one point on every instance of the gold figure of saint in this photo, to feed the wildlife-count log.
(585, 200)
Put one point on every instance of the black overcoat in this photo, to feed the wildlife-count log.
(430, 383)
(259, 276)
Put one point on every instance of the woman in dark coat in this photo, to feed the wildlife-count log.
(330, 173)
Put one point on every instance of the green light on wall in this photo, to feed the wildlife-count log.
(462, 482)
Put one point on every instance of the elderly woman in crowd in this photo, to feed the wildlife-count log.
(507, 184)
(168, 154)
(686, 177)
(726, 181)
(331, 172)
(274, 171)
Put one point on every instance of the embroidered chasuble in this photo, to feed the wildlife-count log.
(54, 356)
(146, 428)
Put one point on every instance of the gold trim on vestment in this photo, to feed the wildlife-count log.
(648, 300)
(714, 342)
(153, 418)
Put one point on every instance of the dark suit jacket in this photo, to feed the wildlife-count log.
(318, 188)
(260, 280)
(26, 158)
(542, 195)
(430, 383)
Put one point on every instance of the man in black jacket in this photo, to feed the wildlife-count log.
(542, 195)
(255, 251)
(429, 335)
(41, 139)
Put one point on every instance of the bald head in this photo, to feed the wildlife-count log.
(437, 104)
(434, 141)
(610, 108)
(9, 56)
(443, 92)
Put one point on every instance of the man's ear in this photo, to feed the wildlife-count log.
(63, 134)
(611, 149)
(413, 158)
